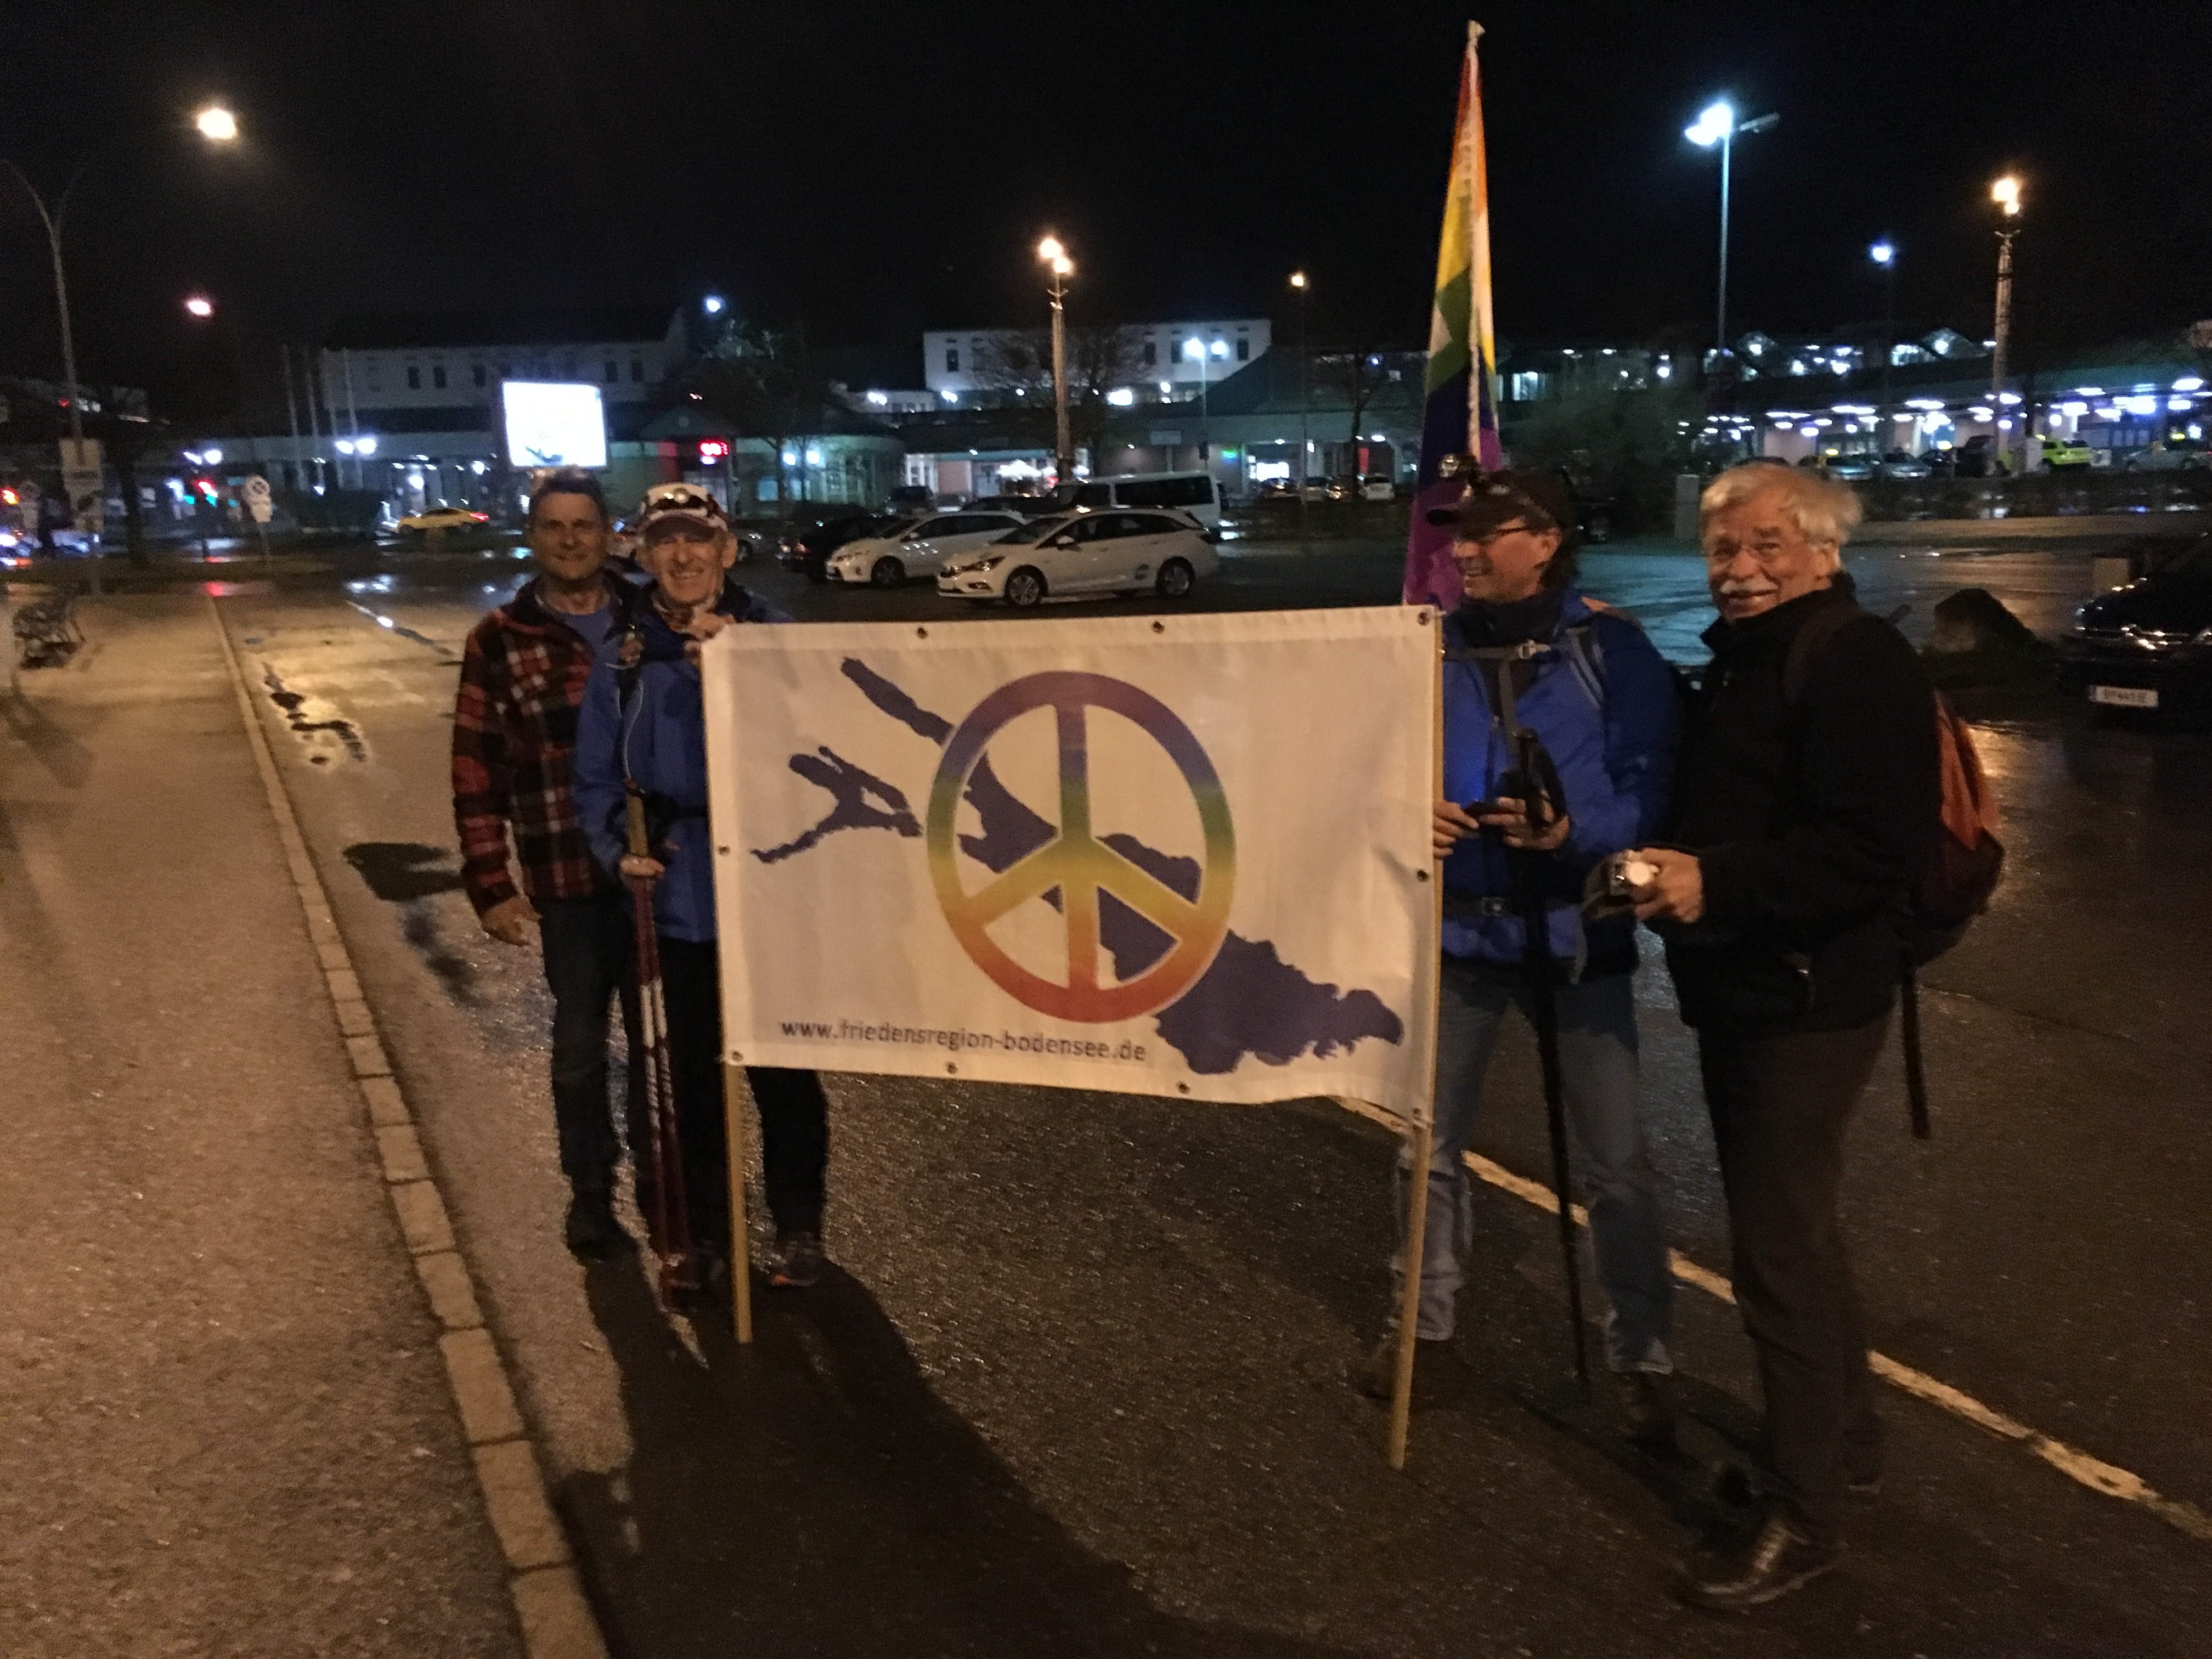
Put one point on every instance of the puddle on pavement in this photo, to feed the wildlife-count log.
(409, 873)
(294, 703)
(398, 870)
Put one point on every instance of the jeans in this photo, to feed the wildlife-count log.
(1779, 1106)
(587, 945)
(794, 1114)
(1598, 1069)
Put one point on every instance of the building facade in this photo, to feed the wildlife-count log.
(966, 364)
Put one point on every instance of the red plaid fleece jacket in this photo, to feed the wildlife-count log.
(515, 750)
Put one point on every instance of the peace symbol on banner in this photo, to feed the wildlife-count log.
(1076, 863)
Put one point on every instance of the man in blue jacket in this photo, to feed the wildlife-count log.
(1602, 702)
(643, 718)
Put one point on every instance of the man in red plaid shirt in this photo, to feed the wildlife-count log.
(514, 743)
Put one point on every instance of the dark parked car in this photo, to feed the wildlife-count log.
(806, 548)
(912, 501)
(2149, 645)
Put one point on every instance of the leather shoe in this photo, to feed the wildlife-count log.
(1646, 1408)
(591, 1231)
(1439, 1374)
(1762, 1566)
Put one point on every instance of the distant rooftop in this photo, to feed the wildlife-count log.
(400, 331)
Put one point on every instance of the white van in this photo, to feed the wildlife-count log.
(1197, 495)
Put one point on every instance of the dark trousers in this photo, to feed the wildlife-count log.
(794, 1114)
(1779, 1105)
(586, 944)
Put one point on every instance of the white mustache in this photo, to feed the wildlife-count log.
(1733, 589)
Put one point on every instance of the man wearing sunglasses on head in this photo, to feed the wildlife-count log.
(1602, 704)
(644, 720)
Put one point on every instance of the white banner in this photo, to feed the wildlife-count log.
(1184, 855)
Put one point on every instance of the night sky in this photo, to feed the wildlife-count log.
(874, 170)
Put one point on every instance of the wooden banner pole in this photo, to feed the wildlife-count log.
(1409, 1293)
(741, 1273)
(1421, 1131)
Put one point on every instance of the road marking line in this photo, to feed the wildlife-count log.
(2094, 1472)
(556, 1619)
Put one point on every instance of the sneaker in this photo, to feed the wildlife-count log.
(798, 1261)
(1756, 1567)
(1439, 1374)
(592, 1232)
(1646, 1408)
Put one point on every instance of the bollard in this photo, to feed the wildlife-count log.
(1687, 486)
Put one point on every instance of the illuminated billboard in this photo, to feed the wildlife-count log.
(554, 424)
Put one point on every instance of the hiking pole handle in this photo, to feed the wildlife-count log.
(639, 847)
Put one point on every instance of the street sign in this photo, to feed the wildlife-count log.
(82, 483)
(256, 490)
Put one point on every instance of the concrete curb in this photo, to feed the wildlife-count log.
(550, 1605)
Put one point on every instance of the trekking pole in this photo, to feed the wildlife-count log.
(1538, 962)
(668, 1221)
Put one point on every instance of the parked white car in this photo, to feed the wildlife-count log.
(1086, 553)
(921, 548)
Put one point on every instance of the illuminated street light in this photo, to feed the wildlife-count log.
(216, 124)
(2005, 192)
(712, 305)
(1716, 123)
(1053, 255)
(1884, 254)
(200, 306)
(1305, 366)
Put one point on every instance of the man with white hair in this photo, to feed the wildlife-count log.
(1806, 807)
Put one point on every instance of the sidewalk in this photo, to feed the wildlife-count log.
(225, 1426)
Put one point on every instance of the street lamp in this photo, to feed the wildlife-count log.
(712, 305)
(1716, 123)
(1306, 359)
(199, 305)
(1061, 267)
(1195, 348)
(2005, 192)
(1884, 254)
(216, 123)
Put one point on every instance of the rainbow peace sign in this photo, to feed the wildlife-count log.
(1076, 862)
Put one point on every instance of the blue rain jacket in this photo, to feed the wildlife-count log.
(1603, 703)
(657, 734)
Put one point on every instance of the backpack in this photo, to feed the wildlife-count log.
(1968, 860)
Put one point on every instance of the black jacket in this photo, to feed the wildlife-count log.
(1811, 821)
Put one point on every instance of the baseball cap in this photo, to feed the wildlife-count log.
(1528, 492)
(667, 502)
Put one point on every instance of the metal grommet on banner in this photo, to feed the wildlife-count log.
(950, 1069)
(921, 633)
(1159, 628)
(1422, 618)
(722, 852)
(1182, 1088)
(1420, 875)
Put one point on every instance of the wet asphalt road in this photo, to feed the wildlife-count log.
(1076, 1388)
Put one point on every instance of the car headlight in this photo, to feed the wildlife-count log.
(991, 564)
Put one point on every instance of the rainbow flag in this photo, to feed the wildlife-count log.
(1461, 416)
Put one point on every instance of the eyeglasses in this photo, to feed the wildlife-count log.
(1484, 541)
(671, 498)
